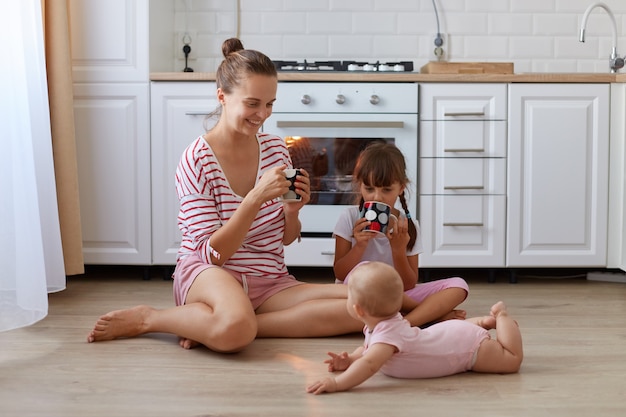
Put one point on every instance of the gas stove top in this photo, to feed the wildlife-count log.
(344, 66)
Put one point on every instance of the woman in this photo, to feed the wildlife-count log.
(231, 283)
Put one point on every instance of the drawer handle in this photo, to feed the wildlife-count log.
(464, 150)
(470, 113)
(328, 252)
(339, 124)
(455, 224)
(197, 113)
(463, 187)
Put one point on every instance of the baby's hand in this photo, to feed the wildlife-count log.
(325, 385)
(339, 362)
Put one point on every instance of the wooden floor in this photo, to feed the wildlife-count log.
(575, 362)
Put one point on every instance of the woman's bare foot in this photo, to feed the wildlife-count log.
(121, 323)
(187, 343)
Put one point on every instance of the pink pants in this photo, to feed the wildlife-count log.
(423, 290)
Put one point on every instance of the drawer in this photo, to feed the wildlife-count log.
(311, 252)
(474, 101)
(467, 138)
(462, 176)
(463, 231)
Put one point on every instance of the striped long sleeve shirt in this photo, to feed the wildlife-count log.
(207, 202)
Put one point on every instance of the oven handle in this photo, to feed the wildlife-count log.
(341, 124)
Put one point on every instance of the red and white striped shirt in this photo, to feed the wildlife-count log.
(207, 202)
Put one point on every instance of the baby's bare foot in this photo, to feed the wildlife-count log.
(120, 323)
(187, 343)
(498, 309)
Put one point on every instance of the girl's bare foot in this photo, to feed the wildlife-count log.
(486, 322)
(121, 323)
(454, 315)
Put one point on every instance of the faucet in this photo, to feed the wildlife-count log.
(615, 62)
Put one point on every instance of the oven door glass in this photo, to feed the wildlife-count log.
(327, 146)
(330, 162)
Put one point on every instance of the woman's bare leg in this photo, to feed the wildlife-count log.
(505, 353)
(308, 310)
(218, 315)
(438, 307)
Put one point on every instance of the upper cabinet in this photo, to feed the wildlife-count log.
(558, 175)
(109, 40)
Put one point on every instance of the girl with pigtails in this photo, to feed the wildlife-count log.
(380, 175)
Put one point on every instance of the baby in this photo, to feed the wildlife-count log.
(395, 348)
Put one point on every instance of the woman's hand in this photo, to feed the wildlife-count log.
(303, 189)
(272, 184)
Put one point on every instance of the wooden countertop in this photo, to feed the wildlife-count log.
(412, 77)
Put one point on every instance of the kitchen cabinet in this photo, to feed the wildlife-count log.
(616, 257)
(112, 115)
(557, 175)
(462, 186)
(179, 113)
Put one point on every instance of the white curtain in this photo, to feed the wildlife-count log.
(31, 257)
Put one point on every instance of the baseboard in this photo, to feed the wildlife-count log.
(607, 276)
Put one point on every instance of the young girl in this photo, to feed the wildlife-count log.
(380, 175)
(401, 351)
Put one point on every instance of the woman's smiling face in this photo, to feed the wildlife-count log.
(249, 104)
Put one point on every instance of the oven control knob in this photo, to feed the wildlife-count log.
(374, 99)
(340, 99)
(306, 99)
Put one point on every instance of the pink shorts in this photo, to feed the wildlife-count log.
(258, 289)
(426, 289)
(423, 290)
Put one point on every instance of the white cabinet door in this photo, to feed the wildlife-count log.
(558, 175)
(178, 112)
(109, 40)
(113, 151)
(617, 179)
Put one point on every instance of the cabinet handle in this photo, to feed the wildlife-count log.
(463, 187)
(464, 150)
(469, 113)
(455, 224)
(328, 252)
(197, 113)
(339, 124)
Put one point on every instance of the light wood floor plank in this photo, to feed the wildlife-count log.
(575, 362)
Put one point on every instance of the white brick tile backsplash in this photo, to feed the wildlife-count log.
(510, 24)
(536, 35)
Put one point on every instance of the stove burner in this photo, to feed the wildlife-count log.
(351, 66)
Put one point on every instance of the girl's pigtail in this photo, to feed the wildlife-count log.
(412, 229)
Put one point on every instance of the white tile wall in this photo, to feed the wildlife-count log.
(537, 35)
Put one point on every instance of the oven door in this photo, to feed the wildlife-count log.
(327, 145)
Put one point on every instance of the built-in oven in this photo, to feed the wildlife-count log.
(325, 126)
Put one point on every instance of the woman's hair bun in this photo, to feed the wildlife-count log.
(231, 45)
